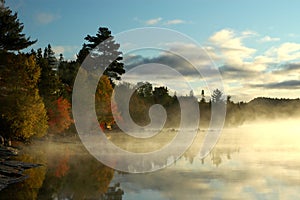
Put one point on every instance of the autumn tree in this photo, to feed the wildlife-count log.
(51, 89)
(103, 100)
(59, 115)
(23, 113)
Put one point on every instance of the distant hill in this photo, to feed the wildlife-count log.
(264, 107)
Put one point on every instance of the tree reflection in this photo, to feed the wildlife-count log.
(68, 172)
(224, 148)
(75, 176)
(113, 193)
(28, 189)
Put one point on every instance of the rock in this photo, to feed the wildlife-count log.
(11, 171)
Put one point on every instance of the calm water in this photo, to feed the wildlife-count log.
(250, 162)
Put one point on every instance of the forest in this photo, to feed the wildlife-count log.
(36, 89)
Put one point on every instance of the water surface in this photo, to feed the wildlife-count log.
(254, 161)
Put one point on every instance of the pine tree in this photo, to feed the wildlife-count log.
(107, 55)
(217, 96)
(50, 85)
(11, 36)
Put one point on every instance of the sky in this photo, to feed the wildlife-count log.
(255, 44)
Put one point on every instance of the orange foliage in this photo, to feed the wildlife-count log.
(59, 116)
(63, 166)
(103, 100)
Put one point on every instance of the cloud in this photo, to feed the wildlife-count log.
(68, 51)
(46, 18)
(175, 21)
(153, 21)
(249, 33)
(293, 35)
(285, 68)
(269, 39)
(244, 70)
(64, 48)
(234, 73)
(159, 20)
(179, 64)
(291, 84)
(184, 58)
(228, 45)
(288, 51)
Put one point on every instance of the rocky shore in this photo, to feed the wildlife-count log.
(11, 171)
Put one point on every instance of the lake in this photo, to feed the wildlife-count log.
(253, 161)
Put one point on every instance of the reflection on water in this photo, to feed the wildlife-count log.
(69, 172)
(249, 162)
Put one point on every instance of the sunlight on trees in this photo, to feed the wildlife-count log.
(23, 109)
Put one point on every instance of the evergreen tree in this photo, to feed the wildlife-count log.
(67, 71)
(52, 61)
(52, 91)
(107, 55)
(11, 36)
(49, 85)
(217, 96)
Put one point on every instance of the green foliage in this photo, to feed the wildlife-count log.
(144, 89)
(50, 85)
(161, 96)
(106, 56)
(67, 72)
(18, 72)
(217, 96)
(11, 36)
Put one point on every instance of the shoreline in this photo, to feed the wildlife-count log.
(11, 171)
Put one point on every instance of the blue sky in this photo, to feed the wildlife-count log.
(266, 33)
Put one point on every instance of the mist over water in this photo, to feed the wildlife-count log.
(257, 160)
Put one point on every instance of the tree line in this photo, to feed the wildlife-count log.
(36, 88)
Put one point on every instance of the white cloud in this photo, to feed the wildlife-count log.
(175, 21)
(269, 39)
(249, 33)
(288, 52)
(153, 21)
(293, 35)
(66, 50)
(230, 46)
(240, 64)
(246, 72)
(159, 20)
(46, 18)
